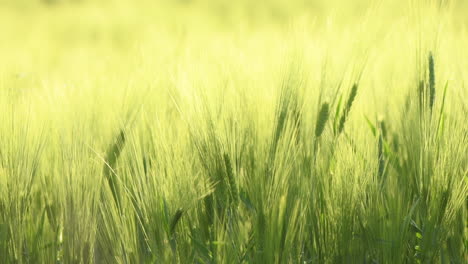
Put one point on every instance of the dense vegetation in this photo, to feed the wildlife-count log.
(233, 131)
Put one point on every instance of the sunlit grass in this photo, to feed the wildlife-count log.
(233, 132)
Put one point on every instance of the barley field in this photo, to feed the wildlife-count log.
(216, 131)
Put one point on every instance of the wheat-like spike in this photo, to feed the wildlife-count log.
(351, 97)
(421, 94)
(322, 119)
(231, 180)
(282, 114)
(175, 219)
(395, 143)
(349, 103)
(383, 128)
(381, 156)
(431, 81)
(112, 156)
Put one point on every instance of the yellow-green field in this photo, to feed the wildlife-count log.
(215, 131)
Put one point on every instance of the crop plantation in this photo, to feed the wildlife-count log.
(216, 131)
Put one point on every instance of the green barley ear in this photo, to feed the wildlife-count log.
(351, 97)
(395, 143)
(421, 95)
(337, 114)
(440, 123)
(322, 119)
(383, 128)
(175, 219)
(381, 157)
(172, 226)
(231, 180)
(431, 81)
(349, 103)
(112, 155)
